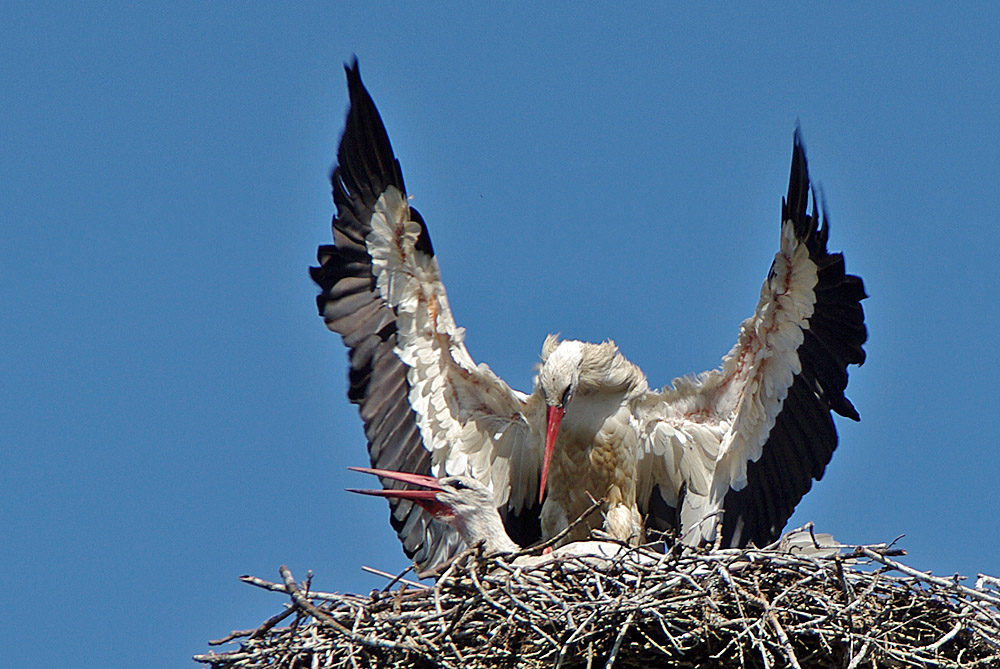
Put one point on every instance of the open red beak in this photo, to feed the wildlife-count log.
(555, 416)
(425, 497)
(406, 477)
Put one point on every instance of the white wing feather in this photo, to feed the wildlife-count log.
(473, 423)
(701, 433)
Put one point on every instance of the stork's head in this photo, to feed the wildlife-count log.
(467, 499)
(460, 501)
(559, 373)
(559, 378)
(572, 369)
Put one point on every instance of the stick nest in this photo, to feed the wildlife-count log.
(694, 608)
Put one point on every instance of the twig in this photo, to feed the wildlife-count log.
(307, 606)
(257, 631)
(727, 609)
(394, 578)
(926, 576)
(618, 641)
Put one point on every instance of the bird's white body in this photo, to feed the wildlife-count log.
(597, 448)
(730, 450)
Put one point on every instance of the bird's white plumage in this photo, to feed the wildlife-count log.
(745, 440)
(700, 433)
(704, 430)
(472, 422)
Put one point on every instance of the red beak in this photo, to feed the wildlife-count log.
(555, 416)
(405, 477)
(427, 497)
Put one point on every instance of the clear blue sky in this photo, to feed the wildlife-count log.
(173, 412)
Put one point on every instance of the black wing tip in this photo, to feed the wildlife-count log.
(355, 87)
(351, 68)
(845, 408)
(360, 99)
(794, 207)
(366, 163)
(365, 159)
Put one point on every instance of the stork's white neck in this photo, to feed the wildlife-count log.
(483, 524)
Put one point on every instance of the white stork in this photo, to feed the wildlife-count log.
(724, 455)
(465, 504)
(460, 501)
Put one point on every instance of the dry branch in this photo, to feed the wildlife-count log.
(729, 608)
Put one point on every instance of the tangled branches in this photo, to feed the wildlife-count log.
(854, 607)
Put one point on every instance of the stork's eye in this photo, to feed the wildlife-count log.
(460, 485)
(566, 395)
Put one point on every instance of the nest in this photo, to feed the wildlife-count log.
(856, 607)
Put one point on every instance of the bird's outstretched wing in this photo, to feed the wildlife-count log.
(426, 406)
(742, 444)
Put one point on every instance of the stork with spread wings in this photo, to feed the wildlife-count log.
(729, 451)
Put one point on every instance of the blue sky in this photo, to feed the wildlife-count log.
(173, 412)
